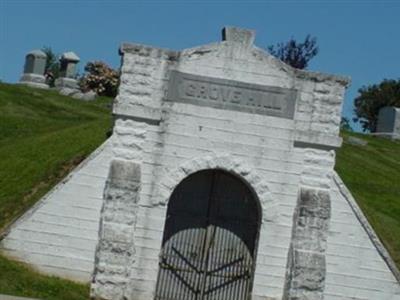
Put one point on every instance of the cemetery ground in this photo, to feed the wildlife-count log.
(44, 135)
(372, 174)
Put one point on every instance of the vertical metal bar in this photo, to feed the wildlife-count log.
(223, 259)
(233, 272)
(169, 279)
(194, 248)
(185, 267)
(195, 278)
(176, 284)
(239, 272)
(216, 260)
(242, 270)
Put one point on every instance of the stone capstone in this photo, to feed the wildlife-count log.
(70, 56)
(238, 35)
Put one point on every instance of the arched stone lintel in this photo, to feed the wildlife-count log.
(170, 178)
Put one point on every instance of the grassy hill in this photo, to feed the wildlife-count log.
(43, 136)
(372, 174)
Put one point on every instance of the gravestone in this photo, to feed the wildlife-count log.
(68, 63)
(34, 68)
(389, 122)
(219, 187)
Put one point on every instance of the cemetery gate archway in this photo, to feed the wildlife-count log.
(210, 236)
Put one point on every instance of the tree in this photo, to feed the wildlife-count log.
(372, 98)
(296, 54)
(345, 124)
(52, 69)
(100, 78)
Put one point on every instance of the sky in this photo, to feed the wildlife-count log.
(356, 38)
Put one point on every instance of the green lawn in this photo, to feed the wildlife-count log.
(18, 279)
(372, 174)
(43, 136)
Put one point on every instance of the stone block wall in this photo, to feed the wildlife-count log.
(116, 250)
(170, 140)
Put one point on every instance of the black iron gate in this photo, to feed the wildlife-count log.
(208, 248)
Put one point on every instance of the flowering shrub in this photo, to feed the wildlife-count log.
(100, 78)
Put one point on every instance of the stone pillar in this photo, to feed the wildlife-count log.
(306, 267)
(68, 62)
(306, 260)
(115, 253)
(35, 64)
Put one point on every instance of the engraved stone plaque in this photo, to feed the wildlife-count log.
(231, 95)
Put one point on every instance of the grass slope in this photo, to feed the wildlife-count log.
(372, 174)
(43, 136)
(20, 280)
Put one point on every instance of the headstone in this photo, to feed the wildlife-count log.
(222, 158)
(35, 64)
(77, 94)
(389, 122)
(89, 96)
(68, 63)
(356, 141)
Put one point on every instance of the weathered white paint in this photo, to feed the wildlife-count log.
(58, 236)
(355, 267)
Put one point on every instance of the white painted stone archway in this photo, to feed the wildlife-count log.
(170, 178)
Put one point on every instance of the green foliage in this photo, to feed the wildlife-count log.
(345, 124)
(19, 280)
(43, 135)
(52, 70)
(100, 78)
(372, 98)
(372, 174)
(294, 53)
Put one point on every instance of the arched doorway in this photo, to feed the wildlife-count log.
(210, 236)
